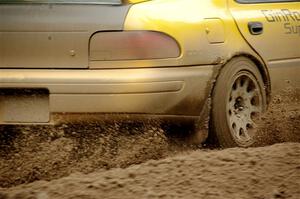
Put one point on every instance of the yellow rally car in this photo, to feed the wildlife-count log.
(167, 59)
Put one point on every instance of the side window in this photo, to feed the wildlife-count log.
(265, 1)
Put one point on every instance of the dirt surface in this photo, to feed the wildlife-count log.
(141, 160)
(270, 172)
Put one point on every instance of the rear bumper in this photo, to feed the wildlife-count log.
(153, 91)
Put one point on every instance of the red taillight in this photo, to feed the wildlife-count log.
(132, 45)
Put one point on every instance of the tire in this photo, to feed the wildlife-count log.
(239, 98)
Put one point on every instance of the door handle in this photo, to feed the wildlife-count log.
(255, 28)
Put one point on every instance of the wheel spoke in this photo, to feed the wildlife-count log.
(235, 93)
(240, 89)
(238, 82)
(252, 93)
(246, 84)
(246, 135)
(239, 130)
(243, 133)
(231, 104)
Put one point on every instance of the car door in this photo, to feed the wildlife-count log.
(272, 28)
(53, 33)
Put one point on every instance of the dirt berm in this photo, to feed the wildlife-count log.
(267, 172)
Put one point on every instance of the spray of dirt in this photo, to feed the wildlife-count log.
(281, 123)
(31, 153)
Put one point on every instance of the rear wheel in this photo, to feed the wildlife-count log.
(239, 98)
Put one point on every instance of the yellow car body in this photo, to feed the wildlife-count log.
(54, 61)
(220, 31)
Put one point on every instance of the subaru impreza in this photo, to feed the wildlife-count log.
(213, 62)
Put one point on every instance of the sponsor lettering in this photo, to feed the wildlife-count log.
(289, 19)
(292, 29)
(283, 15)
